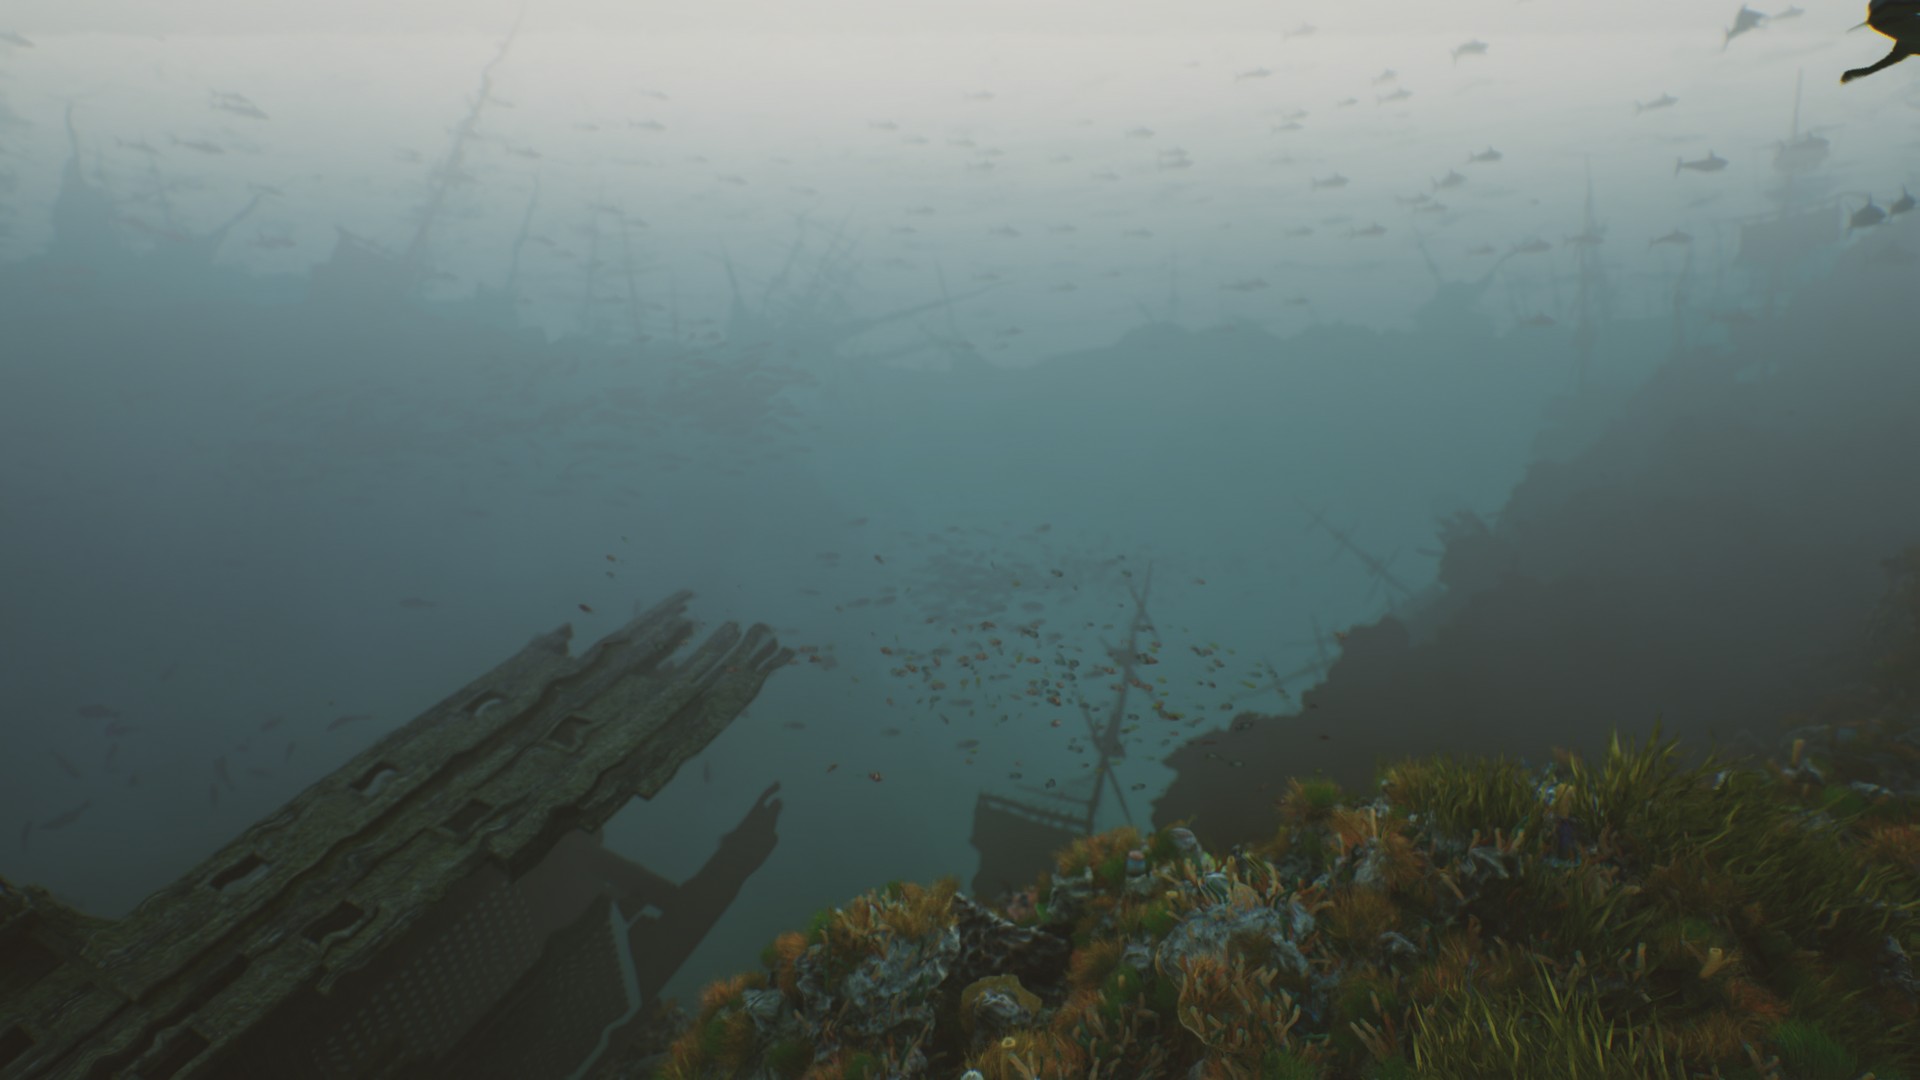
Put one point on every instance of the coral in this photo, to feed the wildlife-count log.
(1233, 1009)
(1356, 917)
(1029, 1055)
(995, 1004)
(1309, 802)
(993, 945)
(1105, 853)
(1630, 918)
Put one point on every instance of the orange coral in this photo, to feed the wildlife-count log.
(1092, 851)
(1030, 1055)
(1447, 973)
(788, 948)
(1357, 917)
(1235, 1011)
(724, 992)
(1402, 863)
(1715, 1036)
(1761, 1006)
(909, 911)
(1090, 966)
(1309, 803)
(1898, 844)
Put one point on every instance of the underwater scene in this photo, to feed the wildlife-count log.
(860, 540)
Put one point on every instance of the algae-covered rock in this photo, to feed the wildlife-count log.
(995, 1004)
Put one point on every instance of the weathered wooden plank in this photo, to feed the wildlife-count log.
(497, 772)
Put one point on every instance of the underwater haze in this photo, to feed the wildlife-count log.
(1362, 380)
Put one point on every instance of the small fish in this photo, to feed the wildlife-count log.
(98, 712)
(875, 776)
(1334, 181)
(1376, 229)
(1401, 94)
(213, 795)
(1711, 163)
(1867, 216)
(1788, 12)
(585, 608)
(62, 820)
(1475, 47)
(1746, 19)
(1487, 156)
(342, 721)
(1664, 101)
(199, 146)
(1900, 205)
(833, 766)
(66, 766)
(220, 772)
(1453, 179)
(1536, 246)
(1674, 237)
(11, 38)
(238, 105)
(288, 756)
(115, 729)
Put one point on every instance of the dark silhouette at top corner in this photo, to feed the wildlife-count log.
(1897, 19)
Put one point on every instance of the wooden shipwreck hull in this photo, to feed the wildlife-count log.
(389, 917)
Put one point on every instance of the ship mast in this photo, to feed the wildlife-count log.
(1590, 288)
(449, 173)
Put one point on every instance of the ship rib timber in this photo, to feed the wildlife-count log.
(490, 779)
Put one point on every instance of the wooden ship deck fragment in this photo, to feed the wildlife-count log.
(375, 925)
